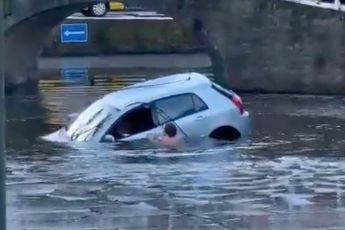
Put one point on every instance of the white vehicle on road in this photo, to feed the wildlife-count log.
(100, 9)
(195, 104)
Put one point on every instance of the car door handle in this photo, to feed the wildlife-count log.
(198, 118)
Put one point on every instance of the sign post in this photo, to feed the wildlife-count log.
(2, 120)
(74, 33)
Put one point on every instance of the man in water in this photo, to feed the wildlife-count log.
(170, 136)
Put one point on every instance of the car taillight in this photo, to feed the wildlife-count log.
(238, 103)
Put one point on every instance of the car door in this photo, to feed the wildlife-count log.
(188, 111)
(144, 135)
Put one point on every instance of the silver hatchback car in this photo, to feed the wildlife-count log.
(197, 106)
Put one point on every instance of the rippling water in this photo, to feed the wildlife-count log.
(288, 175)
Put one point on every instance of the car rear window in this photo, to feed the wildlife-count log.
(199, 105)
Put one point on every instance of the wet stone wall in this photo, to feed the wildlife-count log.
(283, 47)
(264, 45)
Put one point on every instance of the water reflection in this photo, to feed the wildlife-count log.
(288, 175)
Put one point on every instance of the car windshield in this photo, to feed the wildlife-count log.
(89, 121)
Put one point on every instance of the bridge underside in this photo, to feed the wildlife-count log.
(261, 45)
(24, 42)
(25, 39)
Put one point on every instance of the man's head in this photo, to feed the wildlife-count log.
(170, 129)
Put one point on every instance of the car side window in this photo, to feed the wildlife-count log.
(199, 105)
(179, 106)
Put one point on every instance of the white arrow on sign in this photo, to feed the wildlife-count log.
(68, 33)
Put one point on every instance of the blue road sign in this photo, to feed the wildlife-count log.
(74, 33)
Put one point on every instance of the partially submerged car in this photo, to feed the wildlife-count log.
(195, 104)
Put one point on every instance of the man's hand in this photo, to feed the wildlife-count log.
(153, 137)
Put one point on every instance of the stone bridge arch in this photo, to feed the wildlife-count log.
(29, 26)
(255, 45)
(26, 29)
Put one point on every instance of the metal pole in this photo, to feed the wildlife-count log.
(2, 120)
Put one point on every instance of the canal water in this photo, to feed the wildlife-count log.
(289, 174)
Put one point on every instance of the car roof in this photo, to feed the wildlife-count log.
(155, 89)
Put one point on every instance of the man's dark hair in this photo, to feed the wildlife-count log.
(170, 129)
